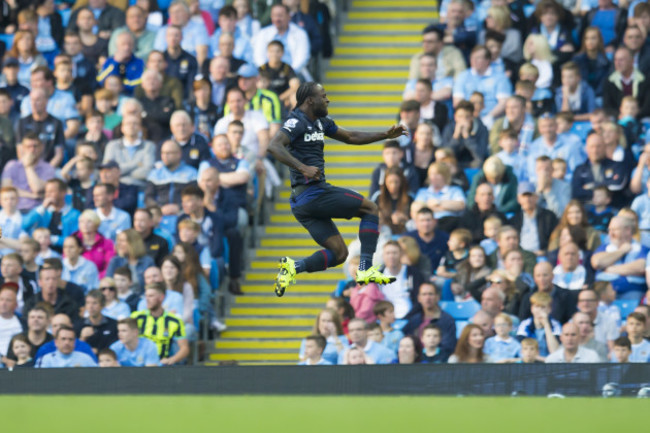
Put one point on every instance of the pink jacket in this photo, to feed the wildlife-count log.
(100, 253)
(363, 300)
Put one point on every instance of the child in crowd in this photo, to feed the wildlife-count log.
(431, 353)
(526, 89)
(124, 287)
(11, 220)
(627, 118)
(472, 269)
(491, 227)
(107, 358)
(510, 154)
(635, 327)
(530, 351)
(478, 100)
(622, 350)
(607, 295)
(374, 333)
(314, 347)
(29, 249)
(599, 213)
(95, 132)
(502, 346)
(156, 215)
(574, 95)
(82, 182)
(42, 235)
(344, 310)
(22, 348)
(564, 121)
(542, 97)
(363, 299)
(559, 168)
(356, 356)
(105, 104)
(458, 244)
(541, 326)
(385, 312)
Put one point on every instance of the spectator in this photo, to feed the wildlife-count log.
(431, 111)
(54, 214)
(38, 322)
(123, 64)
(586, 336)
(82, 68)
(195, 36)
(65, 354)
(480, 211)
(27, 55)
(126, 195)
(541, 326)
(109, 18)
(456, 32)
(21, 346)
(563, 302)
(174, 280)
(641, 173)
(113, 220)
(533, 223)
(500, 176)
(410, 350)
(171, 88)
(554, 194)
(432, 241)
(592, 60)
(470, 346)
(134, 155)
(498, 22)
(508, 239)
(136, 21)
(56, 297)
(517, 120)
(180, 64)
(314, 346)
(640, 347)
(450, 60)
(156, 246)
(385, 313)
(552, 25)
(575, 216)
(58, 321)
(402, 292)
(571, 351)
(97, 248)
(158, 106)
(163, 328)
(467, 136)
(131, 251)
(424, 143)
(307, 23)
(328, 326)
(495, 87)
(76, 268)
(394, 201)
(605, 327)
(11, 267)
(502, 347)
(297, 41)
(227, 20)
(569, 273)
(428, 311)
(575, 95)
(194, 146)
(469, 273)
(131, 349)
(358, 332)
(123, 284)
(97, 330)
(48, 128)
(608, 18)
(622, 350)
(393, 156)
(626, 80)
(9, 323)
(445, 200)
(281, 76)
(114, 308)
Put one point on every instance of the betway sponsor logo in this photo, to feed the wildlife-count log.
(316, 136)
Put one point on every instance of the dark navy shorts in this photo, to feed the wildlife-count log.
(315, 206)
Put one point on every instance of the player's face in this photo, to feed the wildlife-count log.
(320, 102)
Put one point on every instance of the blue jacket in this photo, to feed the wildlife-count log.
(143, 263)
(131, 77)
(614, 178)
(587, 99)
(41, 217)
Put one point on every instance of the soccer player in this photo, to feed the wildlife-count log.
(314, 202)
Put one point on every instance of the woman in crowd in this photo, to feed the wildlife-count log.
(328, 325)
(577, 235)
(575, 215)
(616, 147)
(172, 273)
(77, 269)
(24, 49)
(469, 348)
(424, 153)
(412, 256)
(114, 308)
(538, 52)
(410, 350)
(471, 273)
(97, 248)
(248, 25)
(394, 201)
(592, 60)
(194, 274)
(498, 20)
(153, 14)
(131, 252)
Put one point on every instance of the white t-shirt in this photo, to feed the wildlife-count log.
(8, 328)
(254, 122)
(397, 293)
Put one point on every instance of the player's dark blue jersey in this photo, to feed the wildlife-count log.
(307, 142)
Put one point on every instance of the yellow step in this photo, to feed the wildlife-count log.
(304, 242)
(383, 27)
(258, 345)
(254, 356)
(342, 109)
(237, 311)
(392, 3)
(404, 52)
(361, 87)
(377, 124)
(316, 276)
(245, 363)
(352, 158)
(297, 288)
(281, 322)
(393, 15)
(298, 230)
(338, 147)
(369, 98)
(264, 334)
(284, 300)
(376, 39)
(343, 183)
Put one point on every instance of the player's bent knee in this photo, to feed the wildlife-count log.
(368, 207)
(341, 256)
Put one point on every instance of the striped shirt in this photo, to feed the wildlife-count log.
(162, 330)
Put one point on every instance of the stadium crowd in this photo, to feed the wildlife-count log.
(133, 140)
(516, 215)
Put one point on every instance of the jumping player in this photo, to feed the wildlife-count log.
(314, 202)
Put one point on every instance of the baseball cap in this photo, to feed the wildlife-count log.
(247, 71)
(109, 164)
(525, 188)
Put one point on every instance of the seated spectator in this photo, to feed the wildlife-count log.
(428, 311)
(554, 194)
(394, 201)
(297, 41)
(608, 18)
(458, 177)
(502, 346)
(450, 60)
(424, 143)
(622, 350)
(641, 173)
(131, 251)
(136, 20)
(53, 295)
(113, 220)
(456, 32)
(77, 269)
(441, 87)
(550, 17)
(97, 330)
(385, 313)
(569, 273)
(358, 333)
(470, 272)
(432, 112)
(402, 292)
(592, 60)
(512, 155)
(162, 327)
(495, 87)
(29, 173)
(586, 336)
(314, 347)
(616, 148)
(195, 36)
(281, 77)
(203, 112)
(483, 208)
(485, 321)
(491, 227)
(12, 273)
(432, 241)
(621, 261)
(574, 215)
(82, 182)
(109, 18)
(156, 246)
(605, 327)
(328, 326)
(35, 334)
(541, 326)
(43, 236)
(533, 223)
(114, 308)
(507, 240)
(575, 95)
(467, 136)
(458, 252)
(626, 80)
(640, 347)
(10, 324)
(393, 156)
(227, 21)
(97, 248)
(158, 107)
(22, 348)
(172, 274)
(517, 120)
(445, 200)
(496, 174)
(123, 64)
(570, 351)
(470, 346)
(11, 220)
(194, 146)
(410, 350)
(134, 156)
(126, 195)
(412, 256)
(48, 128)
(125, 289)
(431, 353)
(131, 349)
(180, 64)
(65, 354)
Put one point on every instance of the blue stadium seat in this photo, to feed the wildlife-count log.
(226, 250)
(626, 307)
(141, 199)
(460, 310)
(470, 173)
(214, 275)
(7, 39)
(581, 129)
(460, 324)
(400, 324)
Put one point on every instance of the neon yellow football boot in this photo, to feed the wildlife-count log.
(373, 275)
(286, 275)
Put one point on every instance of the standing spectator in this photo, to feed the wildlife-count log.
(29, 173)
(136, 24)
(363, 300)
(134, 155)
(626, 80)
(97, 330)
(48, 128)
(195, 36)
(65, 354)
(571, 351)
(470, 346)
(467, 136)
(450, 60)
(123, 64)
(358, 333)
(534, 223)
(307, 23)
(180, 64)
(133, 350)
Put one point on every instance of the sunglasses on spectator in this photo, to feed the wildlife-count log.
(107, 288)
(497, 281)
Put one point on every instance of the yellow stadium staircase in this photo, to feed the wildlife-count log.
(364, 82)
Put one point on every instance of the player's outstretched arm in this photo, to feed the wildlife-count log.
(278, 148)
(358, 137)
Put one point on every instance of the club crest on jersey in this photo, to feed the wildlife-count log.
(315, 136)
(290, 124)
